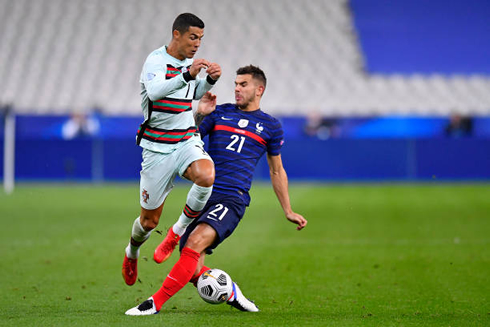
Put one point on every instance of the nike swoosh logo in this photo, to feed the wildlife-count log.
(224, 118)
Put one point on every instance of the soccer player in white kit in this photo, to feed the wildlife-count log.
(171, 145)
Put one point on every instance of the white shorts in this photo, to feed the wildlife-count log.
(158, 170)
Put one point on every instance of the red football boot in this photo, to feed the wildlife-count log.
(165, 249)
(130, 270)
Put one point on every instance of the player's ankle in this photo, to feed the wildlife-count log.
(179, 229)
(132, 252)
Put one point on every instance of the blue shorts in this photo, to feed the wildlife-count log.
(223, 214)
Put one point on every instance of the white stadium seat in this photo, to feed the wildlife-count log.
(56, 55)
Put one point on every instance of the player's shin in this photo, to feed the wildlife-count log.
(196, 200)
(180, 275)
(138, 236)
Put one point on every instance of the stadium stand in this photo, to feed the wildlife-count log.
(365, 90)
(65, 56)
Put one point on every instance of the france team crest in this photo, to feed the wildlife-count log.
(259, 128)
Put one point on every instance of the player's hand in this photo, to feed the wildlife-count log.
(207, 104)
(214, 71)
(297, 219)
(197, 65)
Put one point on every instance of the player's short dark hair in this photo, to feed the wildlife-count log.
(186, 20)
(256, 72)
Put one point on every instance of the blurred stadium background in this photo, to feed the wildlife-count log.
(366, 90)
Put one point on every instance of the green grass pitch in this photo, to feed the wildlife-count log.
(371, 255)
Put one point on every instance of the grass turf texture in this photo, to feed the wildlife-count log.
(371, 255)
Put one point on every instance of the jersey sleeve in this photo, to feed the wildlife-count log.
(277, 139)
(202, 86)
(154, 79)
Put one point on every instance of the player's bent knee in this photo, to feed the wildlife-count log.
(197, 243)
(205, 180)
(200, 241)
(201, 172)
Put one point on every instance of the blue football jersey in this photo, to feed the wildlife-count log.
(237, 140)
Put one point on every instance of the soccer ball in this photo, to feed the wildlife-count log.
(215, 286)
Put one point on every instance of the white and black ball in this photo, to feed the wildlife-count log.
(215, 286)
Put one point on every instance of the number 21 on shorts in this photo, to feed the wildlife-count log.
(218, 213)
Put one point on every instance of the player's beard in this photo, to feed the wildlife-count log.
(245, 101)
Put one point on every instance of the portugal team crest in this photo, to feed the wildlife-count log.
(242, 123)
(145, 196)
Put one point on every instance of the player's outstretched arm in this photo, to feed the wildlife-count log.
(279, 181)
(206, 105)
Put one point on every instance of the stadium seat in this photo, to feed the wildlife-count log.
(56, 55)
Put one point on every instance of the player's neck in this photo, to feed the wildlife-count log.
(173, 50)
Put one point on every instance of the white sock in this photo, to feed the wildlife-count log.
(140, 235)
(132, 252)
(196, 200)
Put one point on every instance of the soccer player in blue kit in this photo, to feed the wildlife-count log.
(239, 134)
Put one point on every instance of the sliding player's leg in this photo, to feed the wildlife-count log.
(223, 217)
